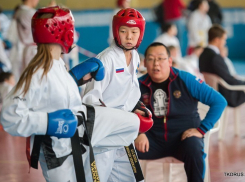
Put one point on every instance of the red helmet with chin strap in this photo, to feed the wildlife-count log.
(131, 18)
(59, 28)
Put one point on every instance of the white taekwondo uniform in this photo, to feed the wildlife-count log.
(27, 116)
(119, 89)
(198, 26)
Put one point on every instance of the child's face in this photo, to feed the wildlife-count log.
(129, 36)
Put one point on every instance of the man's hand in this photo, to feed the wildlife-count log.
(191, 132)
(142, 143)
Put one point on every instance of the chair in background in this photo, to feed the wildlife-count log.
(169, 169)
(213, 81)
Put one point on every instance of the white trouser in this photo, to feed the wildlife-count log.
(113, 129)
(114, 166)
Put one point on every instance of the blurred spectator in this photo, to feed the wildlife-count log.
(215, 12)
(229, 64)
(15, 54)
(4, 60)
(192, 62)
(211, 61)
(169, 38)
(7, 82)
(4, 23)
(176, 59)
(224, 54)
(189, 63)
(159, 15)
(172, 10)
(193, 5)
(198, 25)
(121, 4)
(23, 17)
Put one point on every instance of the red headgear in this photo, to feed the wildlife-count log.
(131, 18)
(58, 29)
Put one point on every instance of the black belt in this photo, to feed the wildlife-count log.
(77, 148)
(77, 153)
(134, 161)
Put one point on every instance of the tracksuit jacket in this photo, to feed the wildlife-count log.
(184, 92)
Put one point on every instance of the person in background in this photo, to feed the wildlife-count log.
(16, 52)
(23, 18)
(230, 65)
(121, 4)
(4, 23)
(210, 61)
(7, 82)
(198, 26)
(169, 38)
(172, 96)
(176, 59)
(215, 12)
(228, 62)
(4, 60)
(173, 10)
(189, 65)
(193, 62)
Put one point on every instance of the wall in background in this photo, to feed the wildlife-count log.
(93, 27)
(108, 4)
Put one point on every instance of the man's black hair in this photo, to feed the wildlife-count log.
(155, 44)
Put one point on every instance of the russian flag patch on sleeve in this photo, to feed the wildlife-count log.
(119, 70)
(199, 80)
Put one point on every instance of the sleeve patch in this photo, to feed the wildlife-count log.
(199, 80)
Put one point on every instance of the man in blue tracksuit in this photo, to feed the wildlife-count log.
(172, 96)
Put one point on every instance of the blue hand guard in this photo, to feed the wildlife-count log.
(91, 65)
(62, 123)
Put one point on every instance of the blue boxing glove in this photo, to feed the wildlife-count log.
(62, 123)
(93, 66)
